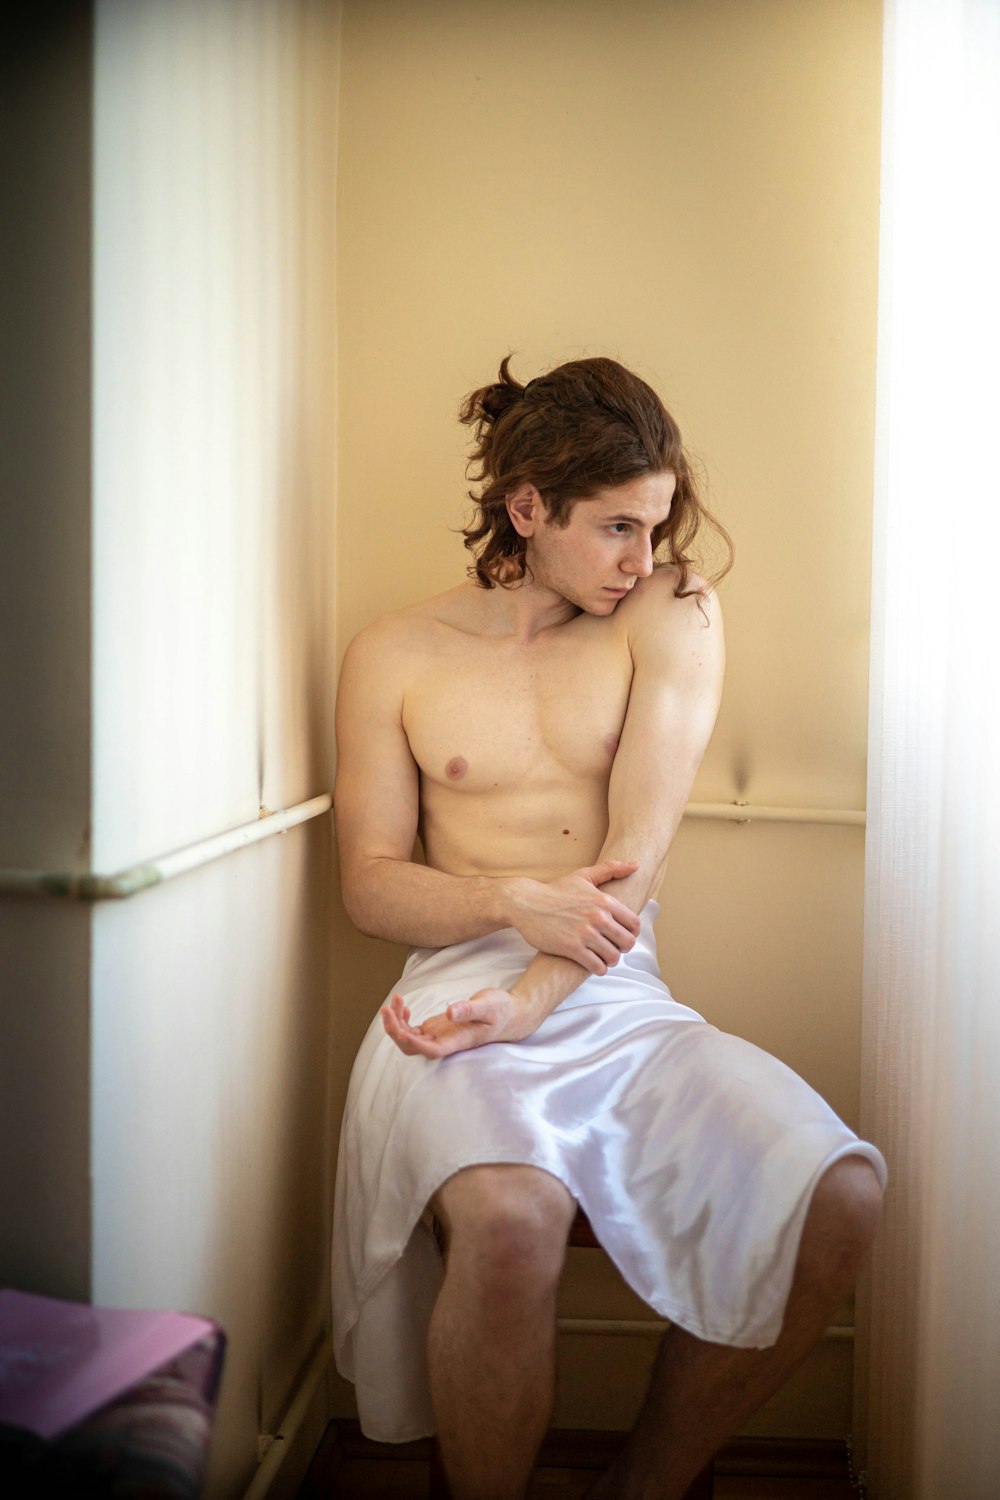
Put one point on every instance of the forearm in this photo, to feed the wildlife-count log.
(411, 903)
(548, 979)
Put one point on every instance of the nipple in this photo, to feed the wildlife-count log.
(456, 768)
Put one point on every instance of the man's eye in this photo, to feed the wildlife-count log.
(618, 527)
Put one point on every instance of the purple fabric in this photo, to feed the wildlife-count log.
(150, 1444)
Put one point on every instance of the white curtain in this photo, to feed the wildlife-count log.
(928, 1380)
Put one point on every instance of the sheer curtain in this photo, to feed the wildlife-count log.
(928, 1381)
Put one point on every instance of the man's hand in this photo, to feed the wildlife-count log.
(489, 1016)
(572, 918)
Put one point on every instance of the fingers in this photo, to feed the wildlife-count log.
(603, 944)
(621, 937)
(465, 1024)
(614, 869)
(397, 1007)
(605, 953)
(609, 869)
(408, 1039)
(611, 950)
(396, 1023)
(615, 916)
(624, 915)
(479, 1009)
(607, 939)
(447, 1041)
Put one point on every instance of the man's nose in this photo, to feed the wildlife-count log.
(640, 558)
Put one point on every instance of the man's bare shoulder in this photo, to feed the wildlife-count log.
(654, 606)
(396, 638)
(675, 639)
(454, 608)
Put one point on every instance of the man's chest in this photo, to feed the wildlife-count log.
(485, 716)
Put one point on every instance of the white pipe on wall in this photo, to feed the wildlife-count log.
(92, 887)
(276, 1447)
(745, 812)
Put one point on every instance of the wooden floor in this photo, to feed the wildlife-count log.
(348, 1466)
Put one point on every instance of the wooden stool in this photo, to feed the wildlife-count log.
(582, 1237)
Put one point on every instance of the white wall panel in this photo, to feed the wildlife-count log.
(215, 130)
(203, 654)
(209, 1122)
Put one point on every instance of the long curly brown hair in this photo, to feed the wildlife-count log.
(587, 425)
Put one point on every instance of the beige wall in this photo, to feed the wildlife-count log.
(692, 188)
(689, 187)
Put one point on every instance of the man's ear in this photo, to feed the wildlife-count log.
(526, 509)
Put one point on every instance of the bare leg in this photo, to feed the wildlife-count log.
(491, 1347)
(701, 1394)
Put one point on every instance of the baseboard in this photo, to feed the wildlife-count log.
(785, 1458)
(578, 1448)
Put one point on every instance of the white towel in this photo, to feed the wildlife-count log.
(693, 1153)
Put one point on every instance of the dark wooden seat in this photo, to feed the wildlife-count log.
(581, 1233)
(582, 1237)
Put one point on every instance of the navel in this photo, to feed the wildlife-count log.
(611, 744)
(456, 768)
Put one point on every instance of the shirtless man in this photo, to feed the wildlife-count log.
(541, 727)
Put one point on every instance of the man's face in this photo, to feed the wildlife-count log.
(605, 548)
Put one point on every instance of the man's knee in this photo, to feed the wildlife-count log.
(506, 1225)
(844, 1213)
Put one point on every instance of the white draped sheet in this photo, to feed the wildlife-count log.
(693, 1153)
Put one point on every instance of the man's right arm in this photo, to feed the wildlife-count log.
(376, 806)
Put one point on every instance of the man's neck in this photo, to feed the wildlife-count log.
(522, 612)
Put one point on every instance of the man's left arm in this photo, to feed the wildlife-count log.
(679, 660)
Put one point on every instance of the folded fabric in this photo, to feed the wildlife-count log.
(693, 1153)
